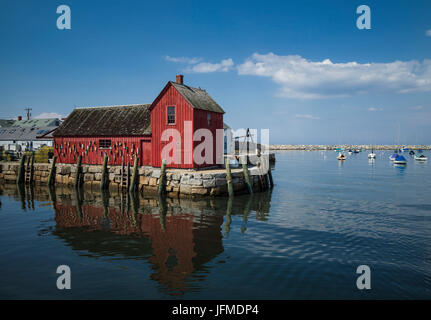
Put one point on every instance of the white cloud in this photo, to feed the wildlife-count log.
(183, 59)
(428, 33)
(306, 116)
(196, 65)
(305, 79)
(206, 67)
(48, 115)
(372, 109)
(417, 108)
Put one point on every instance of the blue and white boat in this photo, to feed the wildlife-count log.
(400, 160)
(393, 156)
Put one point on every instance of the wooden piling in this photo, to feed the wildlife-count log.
(103, 184)
(271, 182)
(162, 179)
(229, 178)
(247, 177)
(78, 177)
(20, 177)
(32, 167)
(134, 176)
(51, 177)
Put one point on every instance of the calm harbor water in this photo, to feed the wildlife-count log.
(303, 240)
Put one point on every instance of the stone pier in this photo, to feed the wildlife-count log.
(179, 182)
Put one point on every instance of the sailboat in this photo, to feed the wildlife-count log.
(372, 155)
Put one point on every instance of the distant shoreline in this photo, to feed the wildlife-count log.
(346, 147)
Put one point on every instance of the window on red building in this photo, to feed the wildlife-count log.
(105, 144)
(171, 115)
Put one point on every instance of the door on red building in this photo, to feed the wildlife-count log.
(146, 152)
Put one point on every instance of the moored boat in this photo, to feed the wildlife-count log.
(400, 160)
(341, 156)
(422, 157)
(393, 156)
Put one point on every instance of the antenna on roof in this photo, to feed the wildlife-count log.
(28, 113)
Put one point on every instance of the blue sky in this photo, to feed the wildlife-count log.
(300, 68)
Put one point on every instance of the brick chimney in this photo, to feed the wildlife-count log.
(19, 118)
(180, 79)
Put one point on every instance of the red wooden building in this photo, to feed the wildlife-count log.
(125, 132)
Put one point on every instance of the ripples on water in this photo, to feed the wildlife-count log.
(303, 240)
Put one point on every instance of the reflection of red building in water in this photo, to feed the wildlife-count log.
(178, 244)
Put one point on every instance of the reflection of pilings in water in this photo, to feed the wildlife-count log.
(105, 201)
(228, 219)
(124, 202)
(163, 209)
(79, 198)
(134, 198)
(21, 193)
(52, 196)
(262, 209)
(246, 212)
(30, 191)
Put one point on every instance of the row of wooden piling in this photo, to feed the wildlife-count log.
(246, 173)
(132, 186)
(79, 175)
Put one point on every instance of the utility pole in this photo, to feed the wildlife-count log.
(28, 113)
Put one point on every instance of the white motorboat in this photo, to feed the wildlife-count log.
(422, 157)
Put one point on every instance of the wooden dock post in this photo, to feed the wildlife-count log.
(20, 177)
(51, 177)
(134, 176)
(247, 177)
(271, 182)
(32, 167)
(103, 184)
(162, 179)
(229, 178)
(78, 177)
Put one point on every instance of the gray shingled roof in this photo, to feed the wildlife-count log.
(50, 122)
(23, 133)
(6, 123)
(107, 121)
(198, 98)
